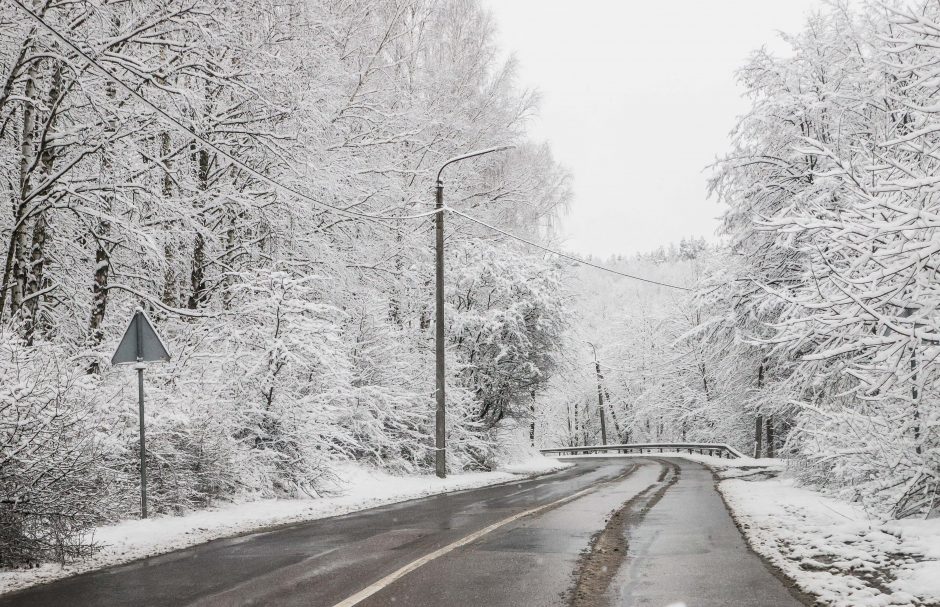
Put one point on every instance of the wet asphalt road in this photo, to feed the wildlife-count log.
(682, 547)
(687, 549)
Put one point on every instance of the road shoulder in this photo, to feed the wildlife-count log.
(686, 549)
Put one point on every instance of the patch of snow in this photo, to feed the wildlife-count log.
(536, 464)
(514, 452)
(833, 549)
(361, 488)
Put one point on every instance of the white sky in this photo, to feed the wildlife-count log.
(637, 99)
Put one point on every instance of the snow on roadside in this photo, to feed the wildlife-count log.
(833, 549)
(361, 488)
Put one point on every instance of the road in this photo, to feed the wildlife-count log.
(608, 531)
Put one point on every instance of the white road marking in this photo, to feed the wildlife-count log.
(390, 578)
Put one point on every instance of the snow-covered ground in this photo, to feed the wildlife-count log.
(361, 488)
(834, 549)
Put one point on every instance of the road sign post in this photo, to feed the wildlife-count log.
(143, 442)
(141, 344)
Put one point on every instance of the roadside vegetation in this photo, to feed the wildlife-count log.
(268, 205)
(812, 330)
(296, 306)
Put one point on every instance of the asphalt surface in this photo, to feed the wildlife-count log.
(609, 531)
(687, 549)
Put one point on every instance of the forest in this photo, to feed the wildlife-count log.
(258, 175)
(810, 331)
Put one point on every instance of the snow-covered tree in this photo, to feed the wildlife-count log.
(228, 202)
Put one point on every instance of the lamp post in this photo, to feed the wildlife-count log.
(600, 396)
(440, 438)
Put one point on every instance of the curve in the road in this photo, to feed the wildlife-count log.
(535, 542)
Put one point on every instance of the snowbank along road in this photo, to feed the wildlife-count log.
(609, 531)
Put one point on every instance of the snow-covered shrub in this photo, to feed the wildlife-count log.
(833, 212)
(506, 317)
(48, 454)
(389, 410)
(275, 373)
(283, 366)
(470, 440)
(192, 457)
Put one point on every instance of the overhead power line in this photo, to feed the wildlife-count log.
(565, 255)
(205, 142)
(295, 192)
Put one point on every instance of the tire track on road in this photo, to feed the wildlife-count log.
(609, 547)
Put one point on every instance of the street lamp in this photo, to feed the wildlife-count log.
(440, 446)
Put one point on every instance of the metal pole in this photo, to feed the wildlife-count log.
(139, 328)
(143, 443)
(440, 436)
(440, 453)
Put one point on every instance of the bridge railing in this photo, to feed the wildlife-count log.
(713, 449)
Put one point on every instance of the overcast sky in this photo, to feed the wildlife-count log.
(637, 99)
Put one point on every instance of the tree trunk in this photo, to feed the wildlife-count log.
(39, 158)
(758, 430)
(532, 423)
(613, 414)
(102, 271)
(613, 418)
(198, 275)
(770, 436)
(99, 292)
(574, 436)
(170, 295)
(37, 256)
(16, 269)
(231, 256)
(600, 403)
(31, 306)
(758, 435)
(915, 404)
(395, 300)
(197, 278)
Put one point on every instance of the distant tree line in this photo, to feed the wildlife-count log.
(815, 331)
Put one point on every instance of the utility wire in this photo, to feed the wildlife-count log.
(293, 191)
(205, 142)
(565, 255)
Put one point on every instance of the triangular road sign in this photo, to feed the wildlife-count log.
(140, 342)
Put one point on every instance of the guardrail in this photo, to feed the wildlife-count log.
(714, 449)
